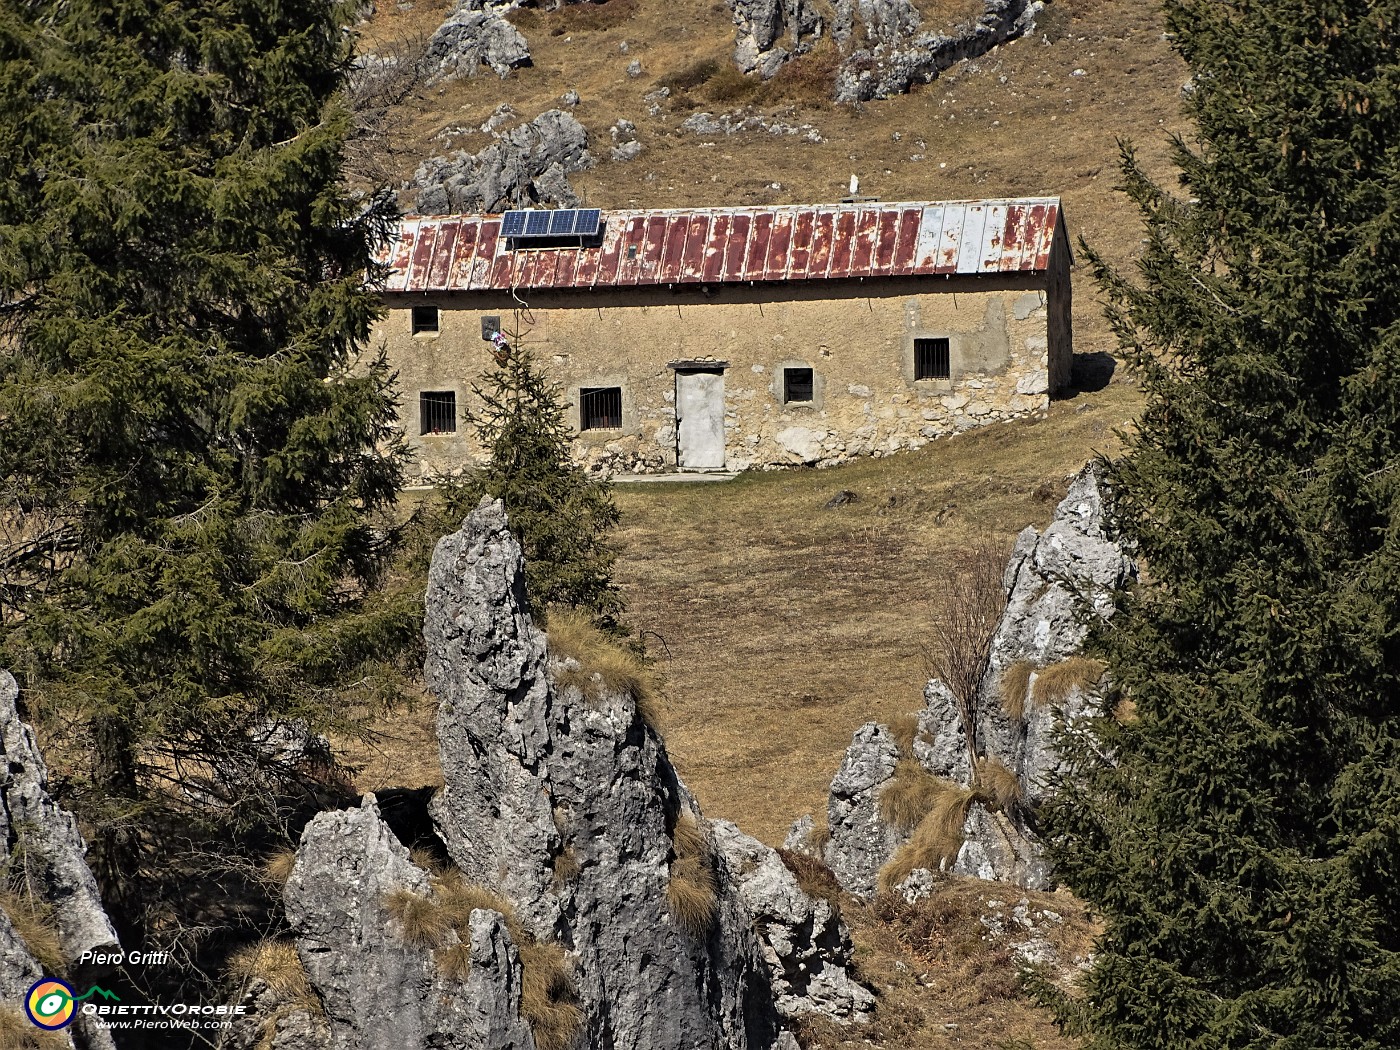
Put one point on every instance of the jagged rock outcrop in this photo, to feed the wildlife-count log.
(270, 1022)
(770, 32)
(382, 990)
(1057, 583)
(886, 50)
(528, 165)
(472, 36)
(44, 838)
(807, 947)
(533, 773)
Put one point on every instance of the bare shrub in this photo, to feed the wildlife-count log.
(376, 89)
(1054, 684)
(972, 601)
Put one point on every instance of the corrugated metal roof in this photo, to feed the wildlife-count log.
(724, 245)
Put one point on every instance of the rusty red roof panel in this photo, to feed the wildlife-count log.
(725, 245)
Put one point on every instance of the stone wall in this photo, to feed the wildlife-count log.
(857, 337)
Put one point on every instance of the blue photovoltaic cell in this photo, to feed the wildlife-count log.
(586, 221)
(536, 223)
(513, 223)
(561, 223)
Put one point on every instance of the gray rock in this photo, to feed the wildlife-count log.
(770, 32)
(380, 992)
(891, 54)
(291, 1027)
(531, 772)
(799, 836)
(44, 838)
(860, 841)
(471, 38)
(527, 165)
(634, 68)
(569, 98)
(627, 151)
(805, 944)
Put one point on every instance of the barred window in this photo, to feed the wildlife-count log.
(600, 408)
(931, 359)
(797, 385)
(437, 412)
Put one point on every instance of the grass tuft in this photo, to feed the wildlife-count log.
(454, 961)
(277, 963)
(566, 866)
(277, 868)
(1125, 712)
(816, 879)
(906, 799)
(691, 891)
(423, 922)
(905, 728)
(1054, 684)
(996, 785)
(935, 841)
(1014, 687)
(33, 922)
(16, 1033)
(548, 1000)
(603, 665)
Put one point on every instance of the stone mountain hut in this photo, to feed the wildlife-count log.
(729, 338)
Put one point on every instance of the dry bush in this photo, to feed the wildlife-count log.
(277, 868)
(816, 879)
(972, 601)
(1125, 712)
(32, 920)
(566, 866)
(729, 86)
(809, 79)
(935, 841)
(17, 1033)
(1054, 684)
(603, 665)
(996, 785)
(691, 890)
(277, 963)
(905, 728)
(909, 797)
(1014, 685)
(692, 76)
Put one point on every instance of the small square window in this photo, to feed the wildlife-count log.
(600, 408)
(932, 359)
(437, 412)
(425, 319)
(797, 385)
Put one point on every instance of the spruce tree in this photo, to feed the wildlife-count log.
(1237, 825)
(559, 514)
(195, 472)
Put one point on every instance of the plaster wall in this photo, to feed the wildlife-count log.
(857, 337)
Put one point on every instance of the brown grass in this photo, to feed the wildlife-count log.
(909, 797)
(603, 665)
(816, 879)
(691, 889)
(277, 963)
(996, 785)
(277, 868)
(16, 1033)
(1014, 686)
(1125, 712)
(566, 866)
(548, 1000)
(935, 841)
(32, 920)
(905, 728)
(1053, 684)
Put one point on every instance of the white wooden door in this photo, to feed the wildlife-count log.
(700, 420)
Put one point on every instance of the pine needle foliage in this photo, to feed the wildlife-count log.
(1239, 834)
(560, 516)
(199, 462)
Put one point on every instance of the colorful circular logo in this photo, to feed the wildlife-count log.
(50, 1004)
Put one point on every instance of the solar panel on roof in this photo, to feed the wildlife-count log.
(536, 224)
(586, 221)
(513, 223)
(561, 223)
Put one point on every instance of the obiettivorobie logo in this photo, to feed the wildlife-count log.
(51, 1003)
